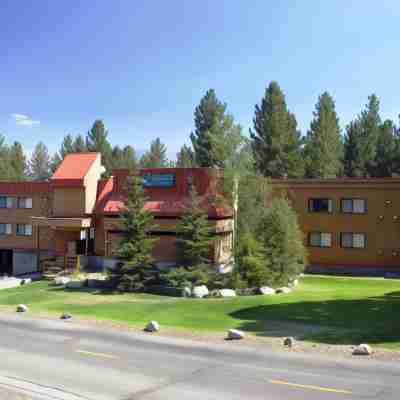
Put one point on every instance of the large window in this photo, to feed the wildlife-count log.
(320, 239)
(161, 180)
(349, 240)
(6, 202)
(354, 206)
(5, 229)
(24, 202)
(24, 229)
(320, 205)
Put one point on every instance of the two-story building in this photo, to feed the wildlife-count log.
(78, 213)
(349, 225)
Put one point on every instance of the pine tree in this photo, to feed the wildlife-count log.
(4, 159)
(283, 252)
(361, 141)
(39, 164)
(323, 150)
(18, 164)
(96, 140)
(136, 245)
(67, 146)
(194, 236)
(185, 157)
(124, 158)
(156, 157)
(215, 135)
(385, 150)
(276, 141)
(79, 145)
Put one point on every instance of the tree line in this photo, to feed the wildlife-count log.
(275, 147)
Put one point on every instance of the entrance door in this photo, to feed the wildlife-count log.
(6, 262)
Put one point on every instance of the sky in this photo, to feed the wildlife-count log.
(142, 66)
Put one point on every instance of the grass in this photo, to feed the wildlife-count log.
(322, 309)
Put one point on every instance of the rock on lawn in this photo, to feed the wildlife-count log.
(22, 308)
(266, 290)
(284, 290)
(226, 293)
(200, 291)
(152, 326)
(235, 334)
(362, 350)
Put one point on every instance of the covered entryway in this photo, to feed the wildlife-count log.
(6, 262)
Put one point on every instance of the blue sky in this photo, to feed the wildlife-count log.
(142, 66)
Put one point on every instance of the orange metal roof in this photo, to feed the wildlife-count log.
(75, 166)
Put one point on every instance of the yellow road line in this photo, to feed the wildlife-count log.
(91, 353)
(312, 387)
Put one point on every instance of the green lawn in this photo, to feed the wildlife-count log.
(321, 309)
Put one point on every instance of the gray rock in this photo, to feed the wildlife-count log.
(65, 316)
(152, 326)
(266, 290)
(235, 334)
(226, 293)
(288, 342)
(26, 281)
(61, 280)
(362, 350)
(200, 291)
(186, 292)
(294, 283)
(283, 290)
(75, 284)
(22, 308)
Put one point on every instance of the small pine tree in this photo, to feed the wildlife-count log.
(136, 245)
(79, 145)
(185, 157)
(385, 150)
(18, 165)
(194, 234)
(283, 251)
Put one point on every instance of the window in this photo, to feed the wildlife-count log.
(159, 180)
(320, 239)
(320, 205)
(354, 206)
(353, 240)
(5, 229)
(24, 230)
(6, 202)
(24, 202)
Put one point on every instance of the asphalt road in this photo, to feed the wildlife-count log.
(45, 359)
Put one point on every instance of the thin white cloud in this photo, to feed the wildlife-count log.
(24, 120)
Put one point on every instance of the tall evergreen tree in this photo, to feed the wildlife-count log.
(96, 140)
(39, 164)
(386, 150)
(215, 134)
(276, 141)
(156, 157)
(193, 234)
(361, 147)
(136, 245)
(124, 158)
(4, 159)
(323, 150)
(67, 146)
(18, 163)
(185, 157)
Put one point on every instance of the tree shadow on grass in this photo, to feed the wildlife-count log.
(372, 320)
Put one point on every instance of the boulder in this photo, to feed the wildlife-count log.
(294, 283)
(200, 291)
(288, 342)
(362, 350)
(266, 290)
(226, 293)
(186, 291)
(22, 308)
(61, 280)
(26, 281)
(75, 284)
(65, 316)
(235, 334)
(152, 326)
(283, 290)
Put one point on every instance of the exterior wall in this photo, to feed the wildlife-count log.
(69, 201)
(90, 182)
(381, 222)
(24, 262)
(63, 237)
(16, 216)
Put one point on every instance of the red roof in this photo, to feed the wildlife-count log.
(74, 167)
